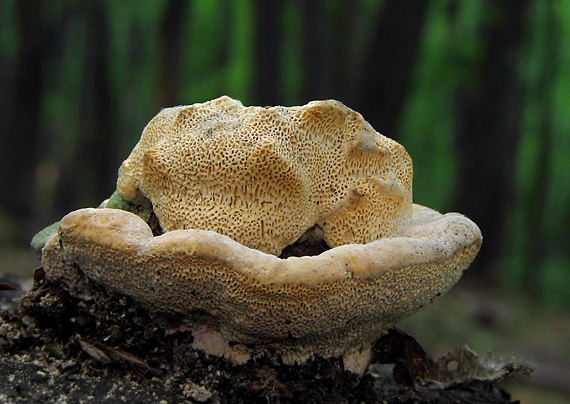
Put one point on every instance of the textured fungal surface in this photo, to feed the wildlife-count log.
(263, 176)
(231, 187)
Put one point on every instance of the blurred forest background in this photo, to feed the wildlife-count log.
(477, 91)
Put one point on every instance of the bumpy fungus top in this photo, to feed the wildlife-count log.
(231, 187)
(263, 176)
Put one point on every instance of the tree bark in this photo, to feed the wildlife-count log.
(268, 38)
(318, 53)
(93, 168)
(171, 31)
(488, 130)
(385, 84)
(20, 139)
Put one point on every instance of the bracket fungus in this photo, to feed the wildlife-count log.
(229, 191)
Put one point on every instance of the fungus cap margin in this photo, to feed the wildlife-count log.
(336, 303)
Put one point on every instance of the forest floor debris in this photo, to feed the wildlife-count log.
(54, 347)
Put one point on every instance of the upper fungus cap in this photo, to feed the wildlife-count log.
(263, 176)
(231, 187)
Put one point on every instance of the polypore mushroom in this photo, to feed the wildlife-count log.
(232, 187)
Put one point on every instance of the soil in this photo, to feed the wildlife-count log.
(55, 348)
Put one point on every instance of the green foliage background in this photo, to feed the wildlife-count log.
(104, 68)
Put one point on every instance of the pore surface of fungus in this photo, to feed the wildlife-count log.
(263, 176)
(231, 187)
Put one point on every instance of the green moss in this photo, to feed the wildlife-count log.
(41, 238)
(142, 208)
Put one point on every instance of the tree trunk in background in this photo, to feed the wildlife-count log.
(268, 39)
(93, 169)
(105, 154)
(383, 88)
(539, 243)
(319, 67)
(488, 128)
(171, 29)
(19, 140)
